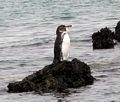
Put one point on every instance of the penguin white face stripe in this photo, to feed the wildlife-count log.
(63, 33)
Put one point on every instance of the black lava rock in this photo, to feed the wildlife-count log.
(103, 39)
(117, 32)
(55, 78)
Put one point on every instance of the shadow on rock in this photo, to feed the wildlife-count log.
(103, 39)
(55, 78)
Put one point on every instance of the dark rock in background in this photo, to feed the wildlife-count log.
(55, 78)
(117, 32)
(103, 39)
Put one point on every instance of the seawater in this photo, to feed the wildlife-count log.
(27, 34)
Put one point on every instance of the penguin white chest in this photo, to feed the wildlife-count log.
(65, 46)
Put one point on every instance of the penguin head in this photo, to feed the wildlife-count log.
(62, 29)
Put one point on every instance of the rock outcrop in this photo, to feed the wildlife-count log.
(117, 32)
(103, 39)
(55, 78)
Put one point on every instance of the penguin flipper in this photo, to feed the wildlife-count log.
(57, 51)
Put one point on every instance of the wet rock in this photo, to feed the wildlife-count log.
(117, 32)
(55, 78)
(103, 39)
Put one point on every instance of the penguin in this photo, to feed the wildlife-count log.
(62, 44)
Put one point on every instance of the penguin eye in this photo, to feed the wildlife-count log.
(62, 29)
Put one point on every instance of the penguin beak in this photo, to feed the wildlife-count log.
(68, 26)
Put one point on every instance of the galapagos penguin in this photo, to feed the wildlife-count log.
(62, 44)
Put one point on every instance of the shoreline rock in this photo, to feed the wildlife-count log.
(55, 78)
(117, 31)
(103, 39)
